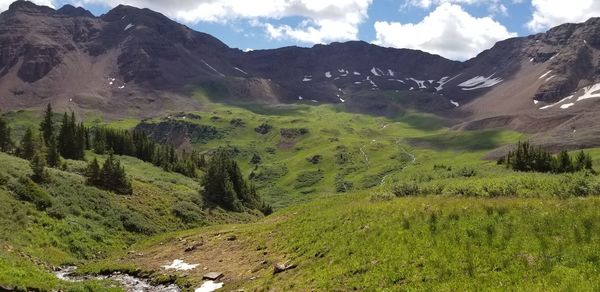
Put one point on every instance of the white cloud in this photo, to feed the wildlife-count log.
(5, 3)
(448, 31)
(549, 13)
(494, 6)
(324, 20)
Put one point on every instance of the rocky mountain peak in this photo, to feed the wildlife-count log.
(73, 11)
(29, 7)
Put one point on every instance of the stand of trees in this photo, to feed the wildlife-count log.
(225, 186)
(111, 176)
(73, 138)
(527, 157)
(6, 143)
(137, 144)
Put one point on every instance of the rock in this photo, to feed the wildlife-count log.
(213, 276)
(279, 268)
(231, 238)
(193, 246)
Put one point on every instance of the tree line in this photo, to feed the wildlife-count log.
(527, 157)
(223, 185)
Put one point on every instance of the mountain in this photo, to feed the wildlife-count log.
(133, 61)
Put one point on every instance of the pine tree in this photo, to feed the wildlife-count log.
(53, 156)
(6, 143)
(565, 164)
(27, 147)
(93, 173)
(38, 166)
(47, 126)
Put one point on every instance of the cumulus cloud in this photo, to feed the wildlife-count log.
(494, 6)
(324, 20)
(5, 3)
(549, 13)
(448, 31)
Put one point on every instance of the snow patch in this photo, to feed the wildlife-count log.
(567, 105)
(545, 74)
(356, 73)
(554, 56)
(376, 71)
(209, 286)
(590, 92)
(391, 72)
(212, 68)
(480, 82)
(456, 104)
(548, 79)
(307, 78)
(238, 69)
(420, 83)
(399, 80)
(559, 102)
(531, 60)
(536, 101)
(371, 81)
(128, 26)
(122, 86)
(314, 100)
(443, 81)
(328, 74)
(342, 100)
(180, 265)
(357, 82)
(300, 97)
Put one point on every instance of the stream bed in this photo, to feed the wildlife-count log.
(128, 282)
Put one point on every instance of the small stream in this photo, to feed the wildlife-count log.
(129, 283)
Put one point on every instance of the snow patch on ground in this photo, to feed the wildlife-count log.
(480, 82)
(371, 81)
(307, 78)
(357, 82)
(554, 56)
(300, 97)
(559, 102)
(536, 101)
(545, 74)
(212, 68)
(391, 72)
(549, 78)
(128, 26)
(314, 100)
(531, 60)
(342, 100)
(456, 104)
(180, 265)
(374, 71)
(420, 83)
(356, 73)
(567, 105)
(328, 74)
(209, 286)
(238, 69)
(590, 92)
(443, 81)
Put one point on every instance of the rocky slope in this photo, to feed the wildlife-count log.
(138, 62)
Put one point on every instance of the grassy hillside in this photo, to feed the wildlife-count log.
(356, 242)
(67, 222)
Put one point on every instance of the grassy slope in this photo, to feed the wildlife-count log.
(85, 223)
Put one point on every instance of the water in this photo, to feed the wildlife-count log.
(128, 282)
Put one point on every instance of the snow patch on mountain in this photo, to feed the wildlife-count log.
(128, 26)
(590, 92)
(456, 104)
(420, 83)
(307, 78)
(545, 74)
(375, 72)
(212, 68)
(238, 69)
(480, 82)
(328, 74)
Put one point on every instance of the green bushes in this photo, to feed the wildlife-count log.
(308, 178)
(28, 190)
(405, 189)
(188, 212)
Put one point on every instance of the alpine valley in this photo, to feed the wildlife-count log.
(138, 154)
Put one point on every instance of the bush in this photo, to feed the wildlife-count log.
(27, 190)
(188, 212)
(382, 197)
(308, 178)
(263, 129)
(134, 222)
(405, 189)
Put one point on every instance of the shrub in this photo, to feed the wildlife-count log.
(27, 190)
(308, 178)
(134, 222)
(188, 212)
(405, 189)
(382, 197)
(263, 129)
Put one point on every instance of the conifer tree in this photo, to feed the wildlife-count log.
(38, 165)
(27, 146)
(93, 174)
(47, 126)
(53, 156)
(6, 143)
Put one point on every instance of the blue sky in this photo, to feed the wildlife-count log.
(456, 29)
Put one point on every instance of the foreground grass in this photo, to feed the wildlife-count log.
(441, 243)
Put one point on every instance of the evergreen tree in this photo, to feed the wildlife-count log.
(53, 156)
(565, 164)
(38, 165)
(93, 174)
(27, 147)
(71, 138)
(6, 143)
(225, 186)
(47, 126)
